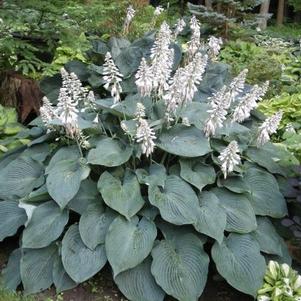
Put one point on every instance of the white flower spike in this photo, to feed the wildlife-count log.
(130, 13)
(144, 79)
(179, 28)
(214, 47)
(229, 158)
(268, 128)
(47, 111)
(145, 135)
(112, 78)
(194, 43)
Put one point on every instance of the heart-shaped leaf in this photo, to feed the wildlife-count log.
(180, 267)
(80, 262)
(128, 243)
(124, 197)
(46, 225)
(239, 261)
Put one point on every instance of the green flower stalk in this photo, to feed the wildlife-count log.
(281, 283)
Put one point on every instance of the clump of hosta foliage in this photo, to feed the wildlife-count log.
(159, 170)
(281, 283)
(9, 128)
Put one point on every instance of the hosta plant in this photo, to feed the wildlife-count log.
(162, 168)
(281, 283)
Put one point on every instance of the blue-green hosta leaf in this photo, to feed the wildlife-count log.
(11, 218)
(64, 153)
(266, 158)
(20, 177)
(38, 195)
(64, 179)
(36, 268)
(79, 261)
(139, 284)
(196, 113)
(265, 196)
(239, 261)
(240, 214)
(196, 173)
(156, 175)
(128, 243)
(61, 279)
(38, 152)
(180, 267)
(109, 152)
(184, 141)
(267, 237)
(125, 197)
(88, 194)
(210, 206)
(94, 224)
(46, 225)
(11, 273)
(285, 258)
(177, 201)
(235, 184)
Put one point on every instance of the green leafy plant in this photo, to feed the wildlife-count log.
(282, 283)
(9, 129)
(150, 175)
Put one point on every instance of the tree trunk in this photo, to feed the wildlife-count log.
(208, 4)
(264, 10)
(280, 12)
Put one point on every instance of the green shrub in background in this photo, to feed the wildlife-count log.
(37, 37)
(9, 128)
(290, 105)
(144, 180)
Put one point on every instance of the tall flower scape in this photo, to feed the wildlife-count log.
(163, 161)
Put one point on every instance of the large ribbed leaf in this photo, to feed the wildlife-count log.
(36, 268)
(19, 178)
(196, 113)
(94, 224)
(139, 284)
(38, 152)
(46, 225)
(11, 218)
(156, 175)
(196, 173)
(88, 194)
(239, 261)
(210, 206)
(124, 197)
(236, 184)
(64, 153)
(177, 202)
(180, 267)
(128, 243)
(80, 262)
(184, 141)
(61, 279)
(265, 196)
(64, 180)
(240, 214)
(109, 152)
(266, 157)
(267, 237)
(11, 273)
